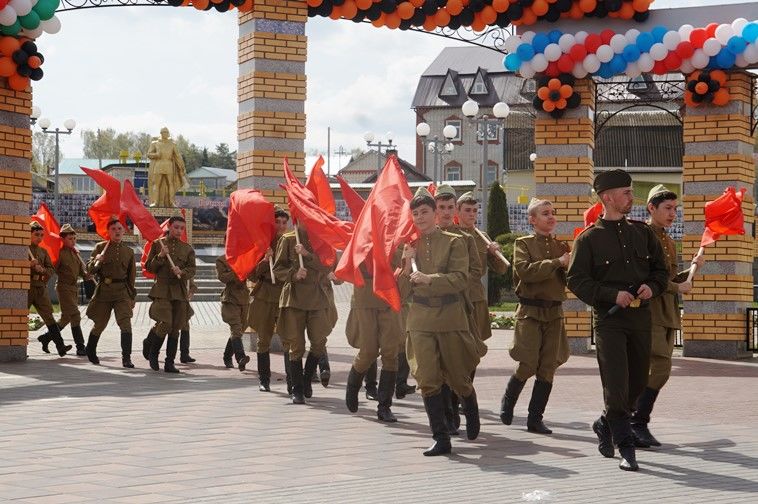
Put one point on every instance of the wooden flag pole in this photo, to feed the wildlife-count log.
(271, 269)
(297, 239)
(105, 249)
(498, 253)
(693, 268)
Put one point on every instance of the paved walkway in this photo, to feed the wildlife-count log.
(73, 432)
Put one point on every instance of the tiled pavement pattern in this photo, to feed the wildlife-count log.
(73, 432)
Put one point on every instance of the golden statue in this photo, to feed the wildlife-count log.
(166, 174)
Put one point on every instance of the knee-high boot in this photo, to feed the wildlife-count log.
(435, 410)
(92, 348)
(384, 395)
(184, 347)
(172, 345)
(264, 372)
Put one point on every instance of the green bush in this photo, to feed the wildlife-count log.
(499, 321)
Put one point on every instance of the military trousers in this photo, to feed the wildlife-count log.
(438, 358)
(294, 323)
(235, 316)
(100, 313)
(536, 347)
(661, 350)
(262, 319)
(170, 315)
(37, 297)
(69, 300)
(375, 332)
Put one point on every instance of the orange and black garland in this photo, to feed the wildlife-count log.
(556, 95)
(706, 86)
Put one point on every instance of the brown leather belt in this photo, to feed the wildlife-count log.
(437, 301)
(539, 303)
(108, 281)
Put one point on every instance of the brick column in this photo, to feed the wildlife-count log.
(15, 198)
(717, 154)
(563, 174)
(271, 93)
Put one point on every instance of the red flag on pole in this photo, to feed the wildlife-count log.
(250, 229)
(318, 184)
(140, 216)
(723, 216)
(590, 216)
(384, 225)
(52, 242)
(352, 199)
(108, 205)
(149, 245)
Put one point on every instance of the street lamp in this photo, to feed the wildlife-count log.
(44, 123)
(484, 125)
(436, 146)
(369, 138)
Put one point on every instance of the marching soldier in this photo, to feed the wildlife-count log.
(441, 347)
(264, 306)
(540, 344)
(617, 266)
(664, 312)
(41, 269)
(69, 269)
(112, 264)
(235, 299)
(304, 306)
(169, 294)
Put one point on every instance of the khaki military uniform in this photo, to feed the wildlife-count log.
(264, 307)
(37, 295)
(441, 347)
(169, 294)
(304, 304)
(69, 270)
(540, 344)
(235, 299)
(115, 286)
(478, 291)
(475, 287)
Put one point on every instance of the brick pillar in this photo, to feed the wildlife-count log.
(15, 198)
(271, 94)
(717, 154)
(563, 174)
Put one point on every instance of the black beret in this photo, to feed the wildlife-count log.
(611, 180)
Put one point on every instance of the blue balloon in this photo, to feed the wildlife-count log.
(726, 58)
(512, 62)
(525, 52)
(712, 63)
(658, 33)
(645, 41)
(631, 53)
(554, 36)
(605, 71)
(617, 64)
(736, 44)
(540, 42)
(750, 32)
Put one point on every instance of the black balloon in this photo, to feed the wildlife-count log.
(455, 23)
(175, 3)
(515, 11)
(36, 74)
(537, 103)
(713, 86)
(567, 79)
(553, 14)
(600, 11)
(503, 20)
(29, 47)
(237, 3)
(697, 98)
(613, 5)
(542, 81)
(466, 16)
(476, 5)
(223, 6)
(574, 100)
(19, 56)
(405, 24)
(374, 12)
(554, 95)
(338, 2)
(557, 113)
(641, 17)
(429, 8)
(441, 3)
(24, 70)
(359, 17)
(387, 6)
(418, 18)
(312, 11)
(526, 3)
(563, 5)
(691, 86)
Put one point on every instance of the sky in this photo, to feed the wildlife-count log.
(140, 68)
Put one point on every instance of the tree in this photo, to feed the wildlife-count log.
(499, 228)
(222, 157)
(43, 153)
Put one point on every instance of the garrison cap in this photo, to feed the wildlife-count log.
(611, 180)
(66, 230)
(422, 191)
(35, 226)
(467, 196)
(444, 190)
(655, 191)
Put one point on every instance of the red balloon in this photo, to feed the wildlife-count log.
(606, 36)
(593, 41)
(578, 52)
(698, 36)
(711, 29)
(565, 63)
(659, 68)
(672, 61)
(685, 49)
(552, 69)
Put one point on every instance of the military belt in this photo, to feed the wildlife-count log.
(108, 281)
(437, 301)
(540, 303)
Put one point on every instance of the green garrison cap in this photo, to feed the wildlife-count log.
(655, 191)
(444, 190)
(611, 180)
(422, 191)
(66, 230)
(35, 226)
(467, 196)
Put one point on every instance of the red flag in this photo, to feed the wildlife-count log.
(384, 224)
(723, 216)
(108, 205)
(590, 216)
(249, 230)
(432, 188)
(149, 245)
(52, 242)
(325, 231)
(318, 184)
(140, 216)
(352, 199)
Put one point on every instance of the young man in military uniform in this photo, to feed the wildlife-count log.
(304, 306)
(441, 347)
(264, 306)
(540, 344)
(69, 269)
(41, 269)
(169, 294)
(617, 266)
(235, 300)
(664, 312)
(112, 264)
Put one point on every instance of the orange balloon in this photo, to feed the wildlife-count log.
(417, 3)
(719, 76)
(478, 25)
(540, 7)
(9, 45)
(18, 83)
(554, 85)
(314, 3)
(721, 97)
(336, 12)
(379, 22)
(694, 75)
(442, 18)
(393, 20)
(454, 7)
(587, 6)
(561, 104)
(529, 17)
(488, 15)
(34, 62)
(641, 5)
(566, 91)
(543, 93)
(688, 99)
(575, 12)
(627, 11)
(500, 6)
(247, 6)
(701, 88)
(200, 4)
(430, 24)
(7, 66)
(364, 4)
(349, 9)
(405, 10)
(548, 106)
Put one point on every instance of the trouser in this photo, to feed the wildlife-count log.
(100, 313)
(293, 324)
(37, 297)
(170, 316)
(68, 299)
(378, 333)
(262, 319)
(235, 316)
(442, 357)
(535, 348)
(661, 350)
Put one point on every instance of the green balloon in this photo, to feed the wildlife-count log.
(11, 30)
(30, 21)
(46, 8)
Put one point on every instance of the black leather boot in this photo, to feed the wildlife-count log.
(92, 348)
(471, 408)
(435, 410)
(446, 394)
(156, 342)
(512, 391)
(126, 350)
(287, 372)
(81, 349)
(228, 352)
(172, 345)
(147, 344)
(354, 379)
(325, 370)
(641, 417)
(403, 370)
(371, 391)
(385, 392)
(628, 460)
(55, 337)
(540, 395)
(296, 375)
(264, 372)
(455, 405)
(45, 340)
(309, 370)
(623, 437)
(604, 438)
(184, 346)
(239, 353)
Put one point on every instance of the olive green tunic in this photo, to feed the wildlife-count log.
(264, 306)
(69, 270)
(115, 290)
(475, 289)
(169, 294)
(479, 297)
(235, 298)
(37, 295)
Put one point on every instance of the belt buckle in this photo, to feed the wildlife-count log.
(635, 303)
(108, 281)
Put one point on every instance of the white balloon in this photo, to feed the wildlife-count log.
(526, 70)
(566, 42)
(22, 7)
(34, 2)
(658, 52)
(580, 36)
(527, 37)
(51, 26)
(604, 53)
(512, 43)
(645, 62)
(685, 30)
(552, 52)
(671, 40)
(686, 67)
(32, 34)
(741, 61)
(633, 70)
(579, 71)
(631, 35)
(591, 63)
(539, 62)
(723, 33)
(711, 47)
(618, 42)
(699, 59)
(738, 25)
(8, 16)
(751, 54)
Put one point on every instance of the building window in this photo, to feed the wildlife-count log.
(479, 87)
(453, 172)
(457, 123)
(491, 172)
(448, 87)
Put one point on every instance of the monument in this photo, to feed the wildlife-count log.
(166, 174)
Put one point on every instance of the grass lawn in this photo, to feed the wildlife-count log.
(56, 309)
(506, 306)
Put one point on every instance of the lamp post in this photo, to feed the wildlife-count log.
(436, 146)
(369, 138)
(501, 110)
(44, 123)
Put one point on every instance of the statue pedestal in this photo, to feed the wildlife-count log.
(163, 213)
